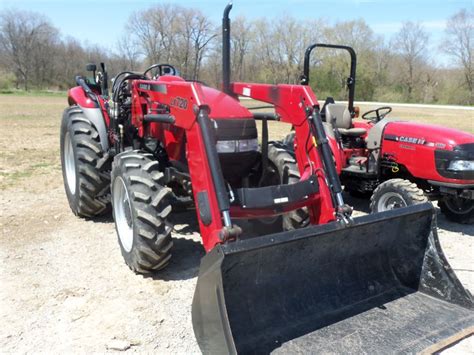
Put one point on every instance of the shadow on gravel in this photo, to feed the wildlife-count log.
(104, 218)
(186, 253)
(359, 204)
(185, 261)
(466, 229)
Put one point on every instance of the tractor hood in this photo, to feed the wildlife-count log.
(223, 105)
(427, 134)
(428, 151)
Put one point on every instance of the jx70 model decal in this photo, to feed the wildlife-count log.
(179, 102)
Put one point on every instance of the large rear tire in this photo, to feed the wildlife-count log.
(288, 173)
(141, 206)
(457, 209)
(396, 193)
(87, 187)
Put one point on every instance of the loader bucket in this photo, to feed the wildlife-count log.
(381, 285)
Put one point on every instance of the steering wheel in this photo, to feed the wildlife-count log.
(380, 113)
(162, 69)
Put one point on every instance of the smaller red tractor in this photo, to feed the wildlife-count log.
(399, 162)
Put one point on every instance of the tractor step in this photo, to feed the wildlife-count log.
(381, 284)
(359, 170)
(357, 166)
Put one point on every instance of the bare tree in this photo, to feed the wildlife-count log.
(23, 35)
(69, 61)
(128, 50)
(411, 44)
(173, 34)
(242, 35)
(459, 44)
(202, 33)
(194, 33)
(155, 30)
(288, 34)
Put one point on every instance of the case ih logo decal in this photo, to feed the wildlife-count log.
(179, 102)
(403, 139)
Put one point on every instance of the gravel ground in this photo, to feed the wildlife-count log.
(64, 285)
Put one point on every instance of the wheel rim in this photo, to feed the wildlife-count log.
(123, 214)
(390, 201)
(69, 164)
(459, 205)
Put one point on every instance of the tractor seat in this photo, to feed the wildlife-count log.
(339, 114)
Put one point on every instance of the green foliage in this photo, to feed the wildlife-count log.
(7, 81)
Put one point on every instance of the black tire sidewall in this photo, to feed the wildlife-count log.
(453, 216)
(73, 199)
(149, 210)
(391, 187)
(118, 173)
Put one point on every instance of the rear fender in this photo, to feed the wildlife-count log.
(92, 111)
(77, 96)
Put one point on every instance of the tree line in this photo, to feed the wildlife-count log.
(403, 68)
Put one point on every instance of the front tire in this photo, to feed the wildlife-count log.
(87, 188)
(457, 209)
(141, 206)
(396, 193)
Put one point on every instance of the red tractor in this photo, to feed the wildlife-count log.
(400, 163)
(161, 141)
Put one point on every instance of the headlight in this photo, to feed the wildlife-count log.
(243, 145)
(461, 165)
(226, 146)
(247, 145)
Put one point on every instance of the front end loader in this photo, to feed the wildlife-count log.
(373, 284)
(369, 284)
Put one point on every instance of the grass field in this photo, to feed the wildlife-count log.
(29, 145)
(453, 118)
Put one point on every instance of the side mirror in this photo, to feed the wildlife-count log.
(91, 67)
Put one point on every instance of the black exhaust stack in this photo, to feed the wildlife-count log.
(226, 50)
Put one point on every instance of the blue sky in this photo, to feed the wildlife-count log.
(102, 22)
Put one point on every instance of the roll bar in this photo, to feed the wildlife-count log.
(351, 80)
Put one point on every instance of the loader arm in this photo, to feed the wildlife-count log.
(298, 106)
(189, 110)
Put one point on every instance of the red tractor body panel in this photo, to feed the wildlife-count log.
(183, 140)
(413, 145)
(77, 96)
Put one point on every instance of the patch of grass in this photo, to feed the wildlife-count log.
(14, 92)
(11, 179)
(41, 165)
(15, 177)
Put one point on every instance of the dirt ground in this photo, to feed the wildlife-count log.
(63, 283)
